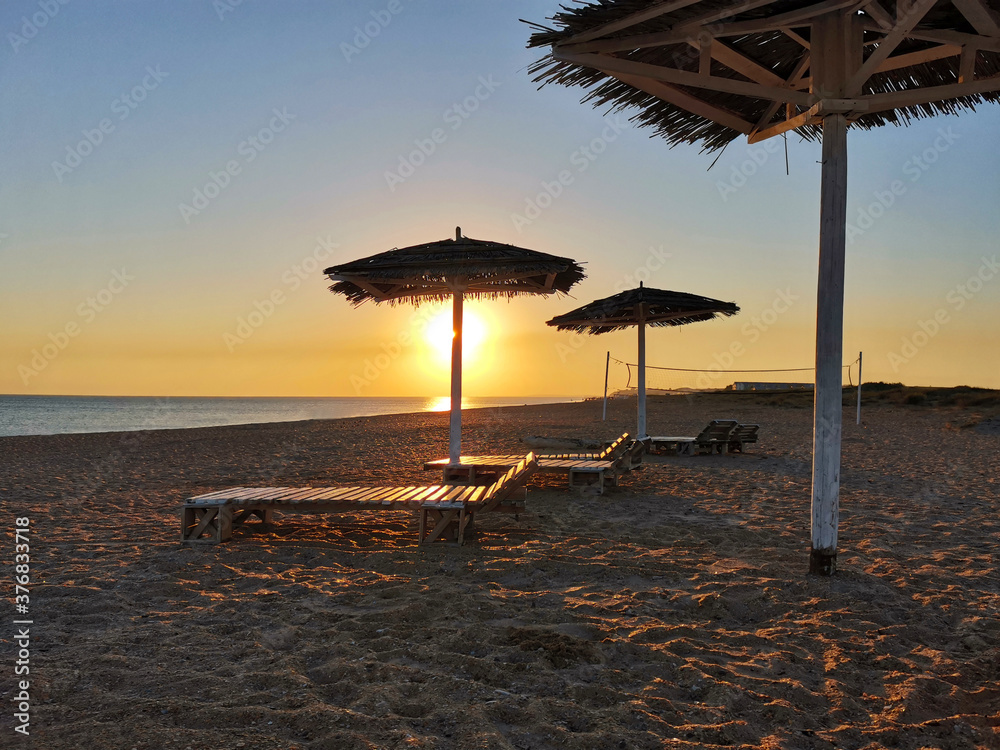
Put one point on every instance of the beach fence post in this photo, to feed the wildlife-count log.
(859, 387)
(455, 434)
(607, 365)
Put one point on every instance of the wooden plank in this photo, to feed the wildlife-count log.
(218, 494)
(887, 46)
(980, 15)
(967, 65)
(684, 100)
(606, 63)
(737, 61)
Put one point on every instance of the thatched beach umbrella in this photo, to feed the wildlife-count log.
(459, 269)
(708, 71)
(640, 308)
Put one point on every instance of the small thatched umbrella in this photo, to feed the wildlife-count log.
(708, 71)
(458, 269)
(641, 307)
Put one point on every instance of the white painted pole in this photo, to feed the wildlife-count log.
(455, 436)
(607, 366)
(859, 387)
(641, 425)
(828, 403)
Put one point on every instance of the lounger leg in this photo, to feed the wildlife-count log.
(225, 523)
(422, 532)
(446, 519)
(465, 521)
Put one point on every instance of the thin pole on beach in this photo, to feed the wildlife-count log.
(859, 387)
(455, 432)
(607, 365)
(641, 395)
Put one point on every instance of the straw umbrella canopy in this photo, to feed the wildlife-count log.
(460, 268)
(640, 308)
(708, 71)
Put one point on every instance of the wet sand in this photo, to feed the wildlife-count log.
(671, 612)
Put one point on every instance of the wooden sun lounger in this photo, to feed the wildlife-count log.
(715, 438)
(743, 435)
(612, 452)
(450, 508)
(582, 473)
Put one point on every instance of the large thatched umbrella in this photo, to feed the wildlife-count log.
(640, 308)
(708, 71)
(459, 269)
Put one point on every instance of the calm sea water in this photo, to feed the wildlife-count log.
(49, 415)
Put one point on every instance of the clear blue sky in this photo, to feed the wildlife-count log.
(320, 190)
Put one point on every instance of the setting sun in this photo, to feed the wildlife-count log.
(438, 335)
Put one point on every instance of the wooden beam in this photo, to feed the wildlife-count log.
(684, 100)
(741, 63)
(888, 45)
(929, 94)
(704, 56)
(967, 65)
(947, 36)
(683, 78)
(980, 15)
(795, 37)
(923, 56)
(630, 20)
(809, 117)
(800, 68)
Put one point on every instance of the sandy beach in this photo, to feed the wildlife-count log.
(671, 612)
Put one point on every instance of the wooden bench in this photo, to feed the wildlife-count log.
(450, 508)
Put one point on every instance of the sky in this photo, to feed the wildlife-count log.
(175, 176)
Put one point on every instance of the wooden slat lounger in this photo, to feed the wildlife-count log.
(450, 508)
(715, 438)
(582, 473)
(743, 435)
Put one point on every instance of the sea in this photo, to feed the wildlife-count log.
(51, 415)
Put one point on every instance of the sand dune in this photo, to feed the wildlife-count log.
(673, 612)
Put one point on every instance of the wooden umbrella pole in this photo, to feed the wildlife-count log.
(455, 434)
(828, 404)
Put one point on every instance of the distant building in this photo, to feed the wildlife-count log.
(772, 386)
